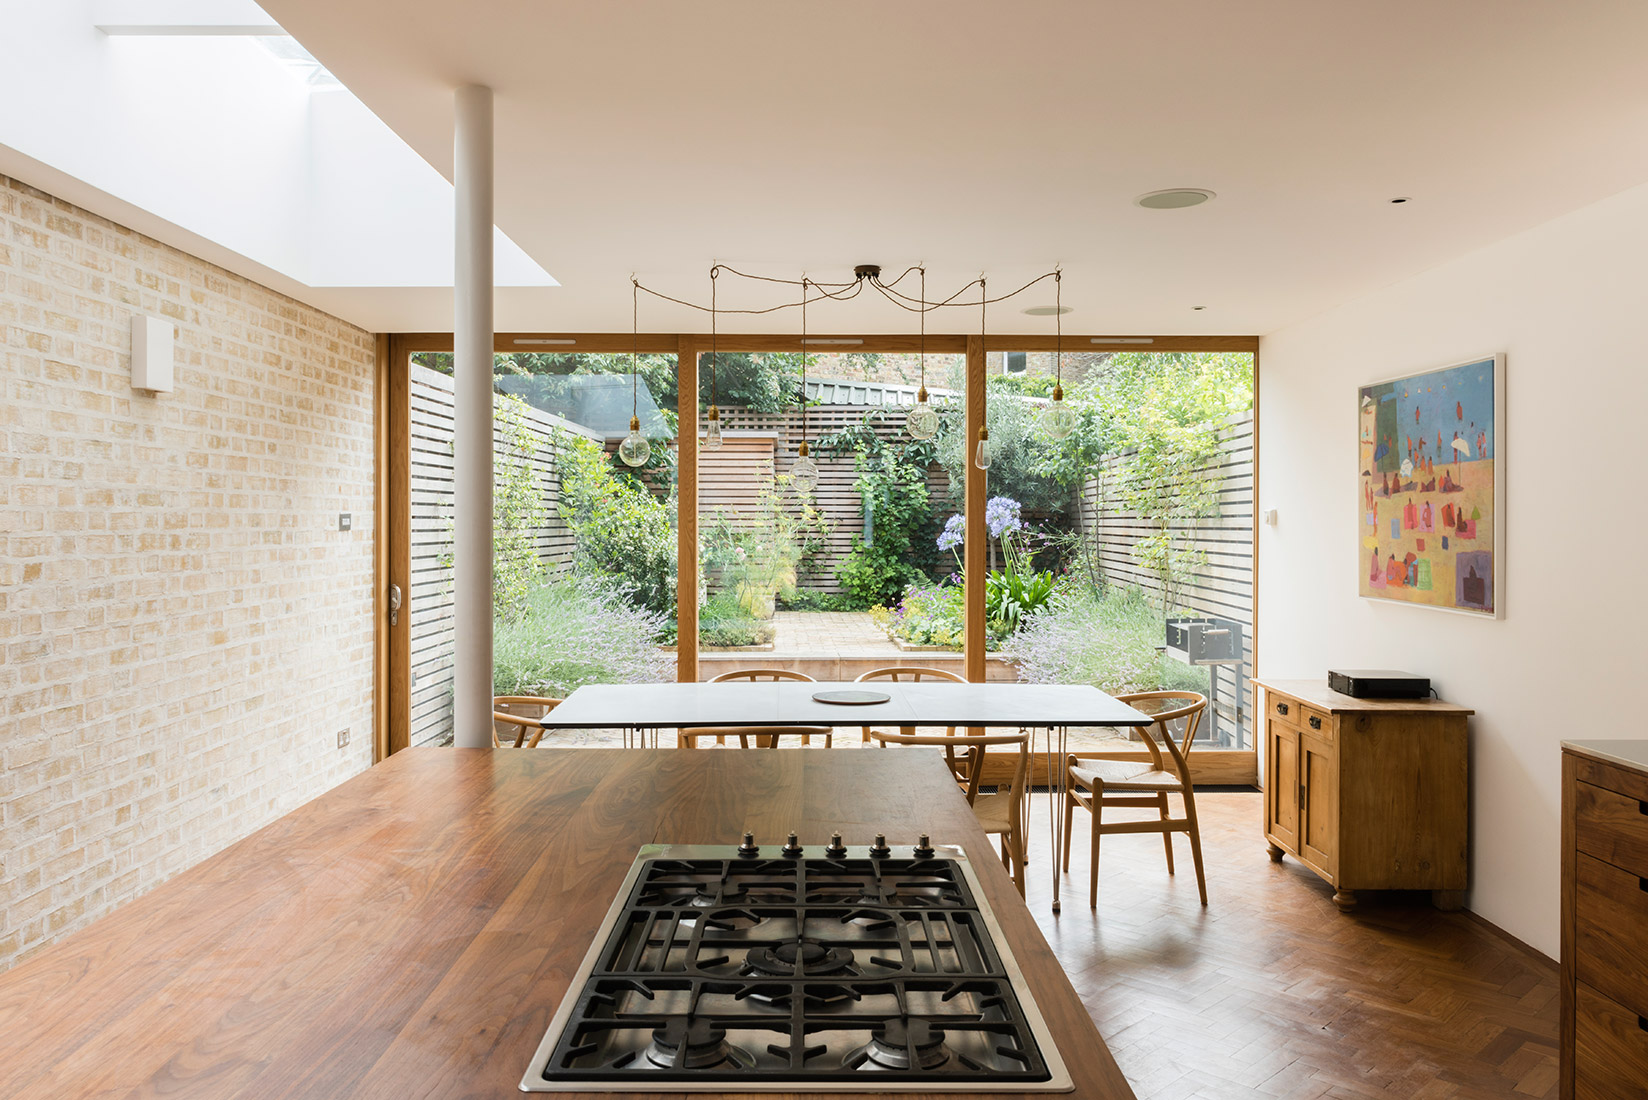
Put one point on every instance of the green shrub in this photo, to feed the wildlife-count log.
(573, 632)
(807, 600)
(723, 620)
(620, 530)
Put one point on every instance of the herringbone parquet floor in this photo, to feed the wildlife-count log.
(1272, 993)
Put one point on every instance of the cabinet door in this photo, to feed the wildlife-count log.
(1282, 784)
(1319, 817)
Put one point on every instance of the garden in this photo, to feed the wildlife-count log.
(1067, 601)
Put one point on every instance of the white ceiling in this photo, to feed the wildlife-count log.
(657, 137)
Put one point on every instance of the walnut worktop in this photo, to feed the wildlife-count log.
(409, 934)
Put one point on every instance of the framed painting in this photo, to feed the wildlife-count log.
(1432, 486)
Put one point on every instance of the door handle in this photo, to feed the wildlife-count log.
(394, 605)
(1301, 796)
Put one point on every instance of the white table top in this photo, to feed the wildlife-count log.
(790, 703)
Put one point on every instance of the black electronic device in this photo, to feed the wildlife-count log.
(1379, 683)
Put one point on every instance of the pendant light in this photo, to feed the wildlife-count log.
(922, 423)
(635, 450)
(1058, 420)
(712, 418)
(982, 454)
(804, 474)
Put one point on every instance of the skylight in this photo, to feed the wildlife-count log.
(205, 115)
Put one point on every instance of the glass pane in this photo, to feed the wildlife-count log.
(1141, 519)
(584, 544)
(817, 579)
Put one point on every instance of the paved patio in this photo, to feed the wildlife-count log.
(833, 634)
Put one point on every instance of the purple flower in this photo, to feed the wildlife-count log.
(1001, 516)
(951, 536)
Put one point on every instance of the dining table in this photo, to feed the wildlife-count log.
(1049, 710)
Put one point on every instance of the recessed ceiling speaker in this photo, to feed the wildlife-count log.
(1174, 198)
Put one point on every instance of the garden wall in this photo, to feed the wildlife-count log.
(1222, 586)
(430, 593)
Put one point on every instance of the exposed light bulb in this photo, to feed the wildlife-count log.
(1058, 420)
(712, 430)
(804, 474)
(634, 450)
(983, 456)
(922, 422)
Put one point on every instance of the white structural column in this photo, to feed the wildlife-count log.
(472, 445)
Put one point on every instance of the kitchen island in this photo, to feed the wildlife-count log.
(410, 933)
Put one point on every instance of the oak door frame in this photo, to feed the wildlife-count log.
(395, 516)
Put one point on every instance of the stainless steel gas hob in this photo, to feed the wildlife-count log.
(798, 969)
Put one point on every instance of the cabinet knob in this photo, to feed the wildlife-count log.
(1281, 708)
(1315, 722)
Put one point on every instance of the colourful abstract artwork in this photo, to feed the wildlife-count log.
(1432, 494)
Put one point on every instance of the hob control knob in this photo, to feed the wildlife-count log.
(748, 849)
(923, 848)
(879, 849)
(792, 847)
(836, 849)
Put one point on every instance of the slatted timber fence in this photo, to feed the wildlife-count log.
(430, 592)
(1223, 584)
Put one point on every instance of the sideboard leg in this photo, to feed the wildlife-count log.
(1449, 901)
(1275, 853)
(1345, 900)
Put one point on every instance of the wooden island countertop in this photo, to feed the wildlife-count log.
(410, 933)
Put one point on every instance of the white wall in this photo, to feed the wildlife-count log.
(1567, 303)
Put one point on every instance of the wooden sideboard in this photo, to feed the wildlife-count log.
(1604, 1038)
(1371, 794)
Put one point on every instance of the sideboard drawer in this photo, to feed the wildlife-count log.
(1284, 709)
(1610, 1048)
(1610, 929)
(1317, 722)
(1612, 827)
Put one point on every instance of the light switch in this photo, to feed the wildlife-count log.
(345, 521)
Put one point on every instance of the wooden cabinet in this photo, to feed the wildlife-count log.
(1604, 1041)
(1371, 794)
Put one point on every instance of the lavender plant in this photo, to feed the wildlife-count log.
(576, 631)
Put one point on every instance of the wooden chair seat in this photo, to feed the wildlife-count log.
(1122, 775)
(763, 737)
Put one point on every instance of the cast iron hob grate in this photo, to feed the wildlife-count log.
(722, 972)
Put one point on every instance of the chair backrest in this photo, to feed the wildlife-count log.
(762, 674)
(915, 673)
(1165, 707)
(519, 714)
(965, 753)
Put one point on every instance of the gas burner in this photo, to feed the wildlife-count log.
(801, 958)
(890, 1049)
(706, 1047)
(803, 973)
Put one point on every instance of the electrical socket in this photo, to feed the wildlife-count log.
(343, 738)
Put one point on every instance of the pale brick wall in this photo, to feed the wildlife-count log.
(183, 629)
